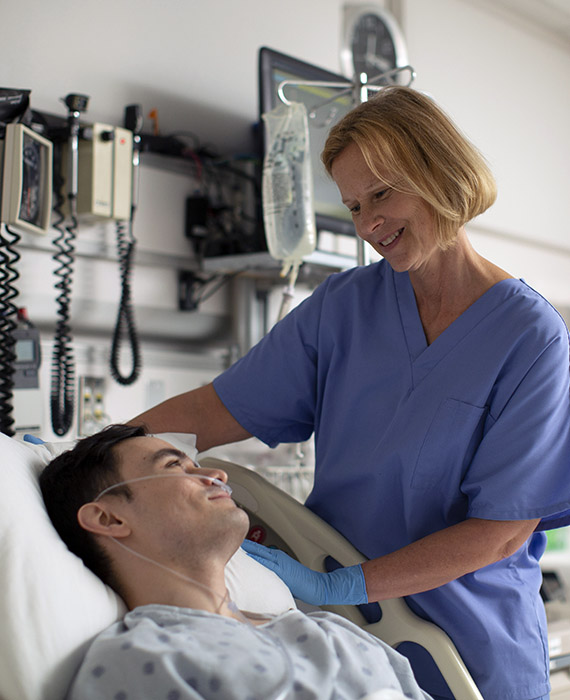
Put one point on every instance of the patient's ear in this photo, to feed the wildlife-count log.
(97, 518)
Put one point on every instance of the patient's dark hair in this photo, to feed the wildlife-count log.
(77, 477)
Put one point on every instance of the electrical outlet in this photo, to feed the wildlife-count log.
(92, 415)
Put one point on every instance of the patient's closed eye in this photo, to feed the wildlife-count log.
(173, 459)
(185, 463)
(174, 463)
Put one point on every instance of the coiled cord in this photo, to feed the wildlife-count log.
(63, 365)
(125, 325)
(8, 314)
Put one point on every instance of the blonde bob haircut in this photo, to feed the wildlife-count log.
(411, 145)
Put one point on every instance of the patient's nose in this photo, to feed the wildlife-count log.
(215, 474)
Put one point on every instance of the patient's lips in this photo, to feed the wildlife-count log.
(219, 494)
(219, 490)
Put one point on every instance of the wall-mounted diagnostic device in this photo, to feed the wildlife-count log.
(26, 179)
(27, 399)
(105, 172)
(94, 185)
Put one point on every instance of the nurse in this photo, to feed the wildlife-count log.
(438, 390)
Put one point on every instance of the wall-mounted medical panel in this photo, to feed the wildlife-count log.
(26, 172)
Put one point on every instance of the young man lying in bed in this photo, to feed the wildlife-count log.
(160, 530)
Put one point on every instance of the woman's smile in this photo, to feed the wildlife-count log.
(386, 242)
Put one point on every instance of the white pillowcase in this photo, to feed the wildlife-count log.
(51, 605)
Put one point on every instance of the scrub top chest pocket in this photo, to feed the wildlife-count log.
(449, 444)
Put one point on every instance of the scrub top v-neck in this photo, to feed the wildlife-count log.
(411, 438)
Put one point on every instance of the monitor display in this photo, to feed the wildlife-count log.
(324, 109)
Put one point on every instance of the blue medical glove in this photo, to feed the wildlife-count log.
(340, 587)
(33, 439)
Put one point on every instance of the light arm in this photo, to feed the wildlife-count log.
(444, 556)
(201, 412)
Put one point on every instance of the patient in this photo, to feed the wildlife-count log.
(162, 544)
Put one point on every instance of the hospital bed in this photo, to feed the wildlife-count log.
(51, 605)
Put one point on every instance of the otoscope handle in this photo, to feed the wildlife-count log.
(75, 104)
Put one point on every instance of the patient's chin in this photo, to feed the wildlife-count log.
(237, 529)
(242, 524)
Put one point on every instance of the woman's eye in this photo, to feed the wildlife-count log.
(381, 193)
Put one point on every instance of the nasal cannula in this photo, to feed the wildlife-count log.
(210, 479)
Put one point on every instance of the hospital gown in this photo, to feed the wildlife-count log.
(411, 438)
(167, 653)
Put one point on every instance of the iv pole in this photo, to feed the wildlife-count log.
(359, 89)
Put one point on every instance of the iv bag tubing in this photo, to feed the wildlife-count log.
(288, 292)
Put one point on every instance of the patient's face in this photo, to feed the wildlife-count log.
(176, 515)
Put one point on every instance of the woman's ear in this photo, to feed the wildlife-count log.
(98, 518)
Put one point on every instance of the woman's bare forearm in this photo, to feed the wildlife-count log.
(444, 556)
(199, 411)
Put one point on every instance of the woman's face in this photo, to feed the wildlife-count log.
(398, 226)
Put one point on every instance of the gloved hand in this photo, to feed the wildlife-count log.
(33, 439)
(340, 587)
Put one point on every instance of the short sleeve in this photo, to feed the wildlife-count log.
(521, 469)
(272, 390)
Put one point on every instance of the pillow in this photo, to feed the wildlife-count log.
(51, 605)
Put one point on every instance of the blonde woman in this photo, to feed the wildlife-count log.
(437, 386)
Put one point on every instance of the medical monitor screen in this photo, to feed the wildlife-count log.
(324, 109)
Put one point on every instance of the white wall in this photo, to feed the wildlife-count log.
(506, 85)
(196, 62)
(193, 60)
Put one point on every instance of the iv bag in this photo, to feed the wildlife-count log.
(287, 184)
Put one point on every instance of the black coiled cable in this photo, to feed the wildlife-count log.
(8, 314)
(125, 325)
(63, 364)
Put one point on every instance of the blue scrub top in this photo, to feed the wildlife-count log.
(411, 438)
